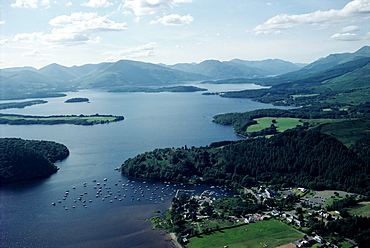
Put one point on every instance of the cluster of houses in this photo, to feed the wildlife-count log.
(310, 240)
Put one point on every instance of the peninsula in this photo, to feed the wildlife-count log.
(22, 160)
(12, 119)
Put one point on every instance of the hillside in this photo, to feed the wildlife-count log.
(22, 160)
(340, 85)
(333, 71)
(295, 158)
(237, 68)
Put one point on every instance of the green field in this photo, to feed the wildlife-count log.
(361, 209)
(263, 234)
(347, 131)
(282, 123)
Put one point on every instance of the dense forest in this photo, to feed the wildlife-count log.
(28, 159)
(294, 158)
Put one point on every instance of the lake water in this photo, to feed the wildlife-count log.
(109, 213)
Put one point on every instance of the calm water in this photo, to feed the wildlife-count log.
(109, 213)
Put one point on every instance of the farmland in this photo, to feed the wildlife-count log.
(270, 233)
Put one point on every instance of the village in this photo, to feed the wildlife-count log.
(299, 209)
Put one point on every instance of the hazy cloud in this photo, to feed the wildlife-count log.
(275, 25)
(175, 20)
(33, 53)
(140, 51)
(74, 29)
(4, 42)
(97, 3)
(350, 29)
(345, 36)
(32, 4)
(150, 7)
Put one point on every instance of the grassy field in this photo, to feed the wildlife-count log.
(361, 209)
(263, 234)
(347, 131)
(282, 123)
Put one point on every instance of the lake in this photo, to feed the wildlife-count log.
(95, 206)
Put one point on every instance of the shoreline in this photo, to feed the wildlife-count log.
(174, 241)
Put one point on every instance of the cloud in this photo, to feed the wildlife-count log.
(30, 4)
(2, 22)
(150, 7)
(4, 42)
(76, 28)
(34, 53)
(175, 20)
(345, 36)
(350, 29)
(97, 3)
(141, 51)
(276, 24)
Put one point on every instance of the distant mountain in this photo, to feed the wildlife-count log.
(58, 72)
(322, 69)
(214, 69)
(16, 69)
(346, 82)
(269, 66)
(134, 73)
(336, 59)
(237, 68)
(24, 82)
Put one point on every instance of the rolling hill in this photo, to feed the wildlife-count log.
(336, 71)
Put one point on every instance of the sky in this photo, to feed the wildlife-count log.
(76, 32)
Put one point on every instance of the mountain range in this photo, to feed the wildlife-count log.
(26, 82)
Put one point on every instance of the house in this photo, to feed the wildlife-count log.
(271, 193)
(318, 239)
(303, 190)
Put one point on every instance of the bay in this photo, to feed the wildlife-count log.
(115, 217)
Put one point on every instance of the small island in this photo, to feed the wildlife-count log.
(77, 99)
(85, 120)
(22, 160)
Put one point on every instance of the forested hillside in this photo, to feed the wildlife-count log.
(294, 158)
(28, 159)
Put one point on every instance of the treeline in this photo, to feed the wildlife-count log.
(28, 159)
(9, 105)
(241, 121)
(294, 158)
